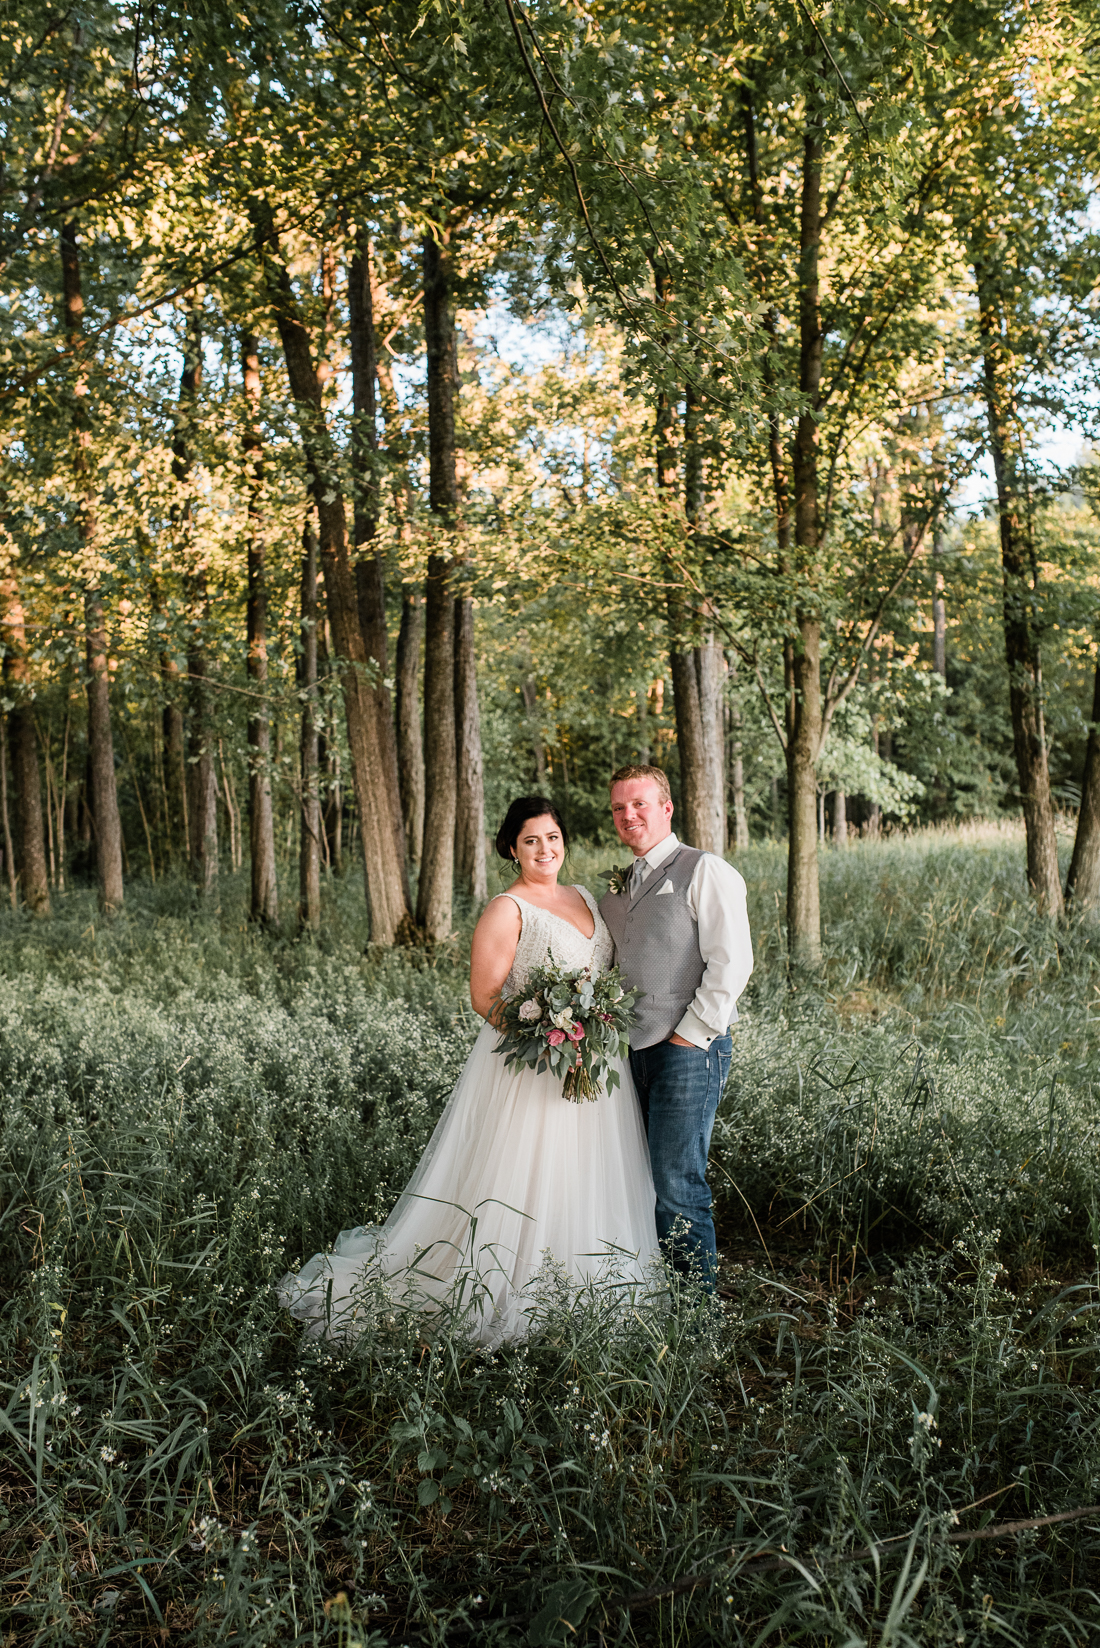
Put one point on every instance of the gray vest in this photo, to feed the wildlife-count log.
(657, 946)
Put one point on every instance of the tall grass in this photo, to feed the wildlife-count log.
(906, 1348)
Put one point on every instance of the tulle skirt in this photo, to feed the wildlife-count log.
(517, 1184)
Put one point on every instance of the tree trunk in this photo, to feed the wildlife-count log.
(33, 872)
(176, 831)
(736, 763)
(693, 824)
(384, 867)
(309, 841)
(202, 779)
(470, 797)
(5, 817)
(642, 750)
(710, 675)
(261, 820)
(369, 580)
(102, 799)
(1083, 880)
(1020, 583)
(531, 704)
(803, 652)
(840, 818)
(433, 907)
(708, 659)
(410, 749)
(873, 826)
(939, 612)
(737, 785)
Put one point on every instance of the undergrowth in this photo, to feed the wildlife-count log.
(905, 1355)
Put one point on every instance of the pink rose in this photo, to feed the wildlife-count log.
(556, 1037)
(576, 1034)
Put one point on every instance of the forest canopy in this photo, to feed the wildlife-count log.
(403, 407)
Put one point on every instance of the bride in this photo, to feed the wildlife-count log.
(514, 1174)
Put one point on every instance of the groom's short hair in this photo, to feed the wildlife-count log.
(659, 778)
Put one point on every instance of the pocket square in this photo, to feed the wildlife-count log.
(667, 888)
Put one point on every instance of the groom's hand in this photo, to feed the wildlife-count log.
(678, 1041)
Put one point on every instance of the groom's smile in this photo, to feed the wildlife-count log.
(641, 816)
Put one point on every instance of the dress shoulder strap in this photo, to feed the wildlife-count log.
(587, 896)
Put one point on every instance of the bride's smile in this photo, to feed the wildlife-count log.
(540, 851)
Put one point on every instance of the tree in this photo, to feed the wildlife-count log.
(433, 903)
(261, 827)
(23, 742)
(202, 783)
(103, 797)
(384, 868)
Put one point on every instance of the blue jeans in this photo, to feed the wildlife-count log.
(679, 1089)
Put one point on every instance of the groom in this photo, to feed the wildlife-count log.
(682, 939)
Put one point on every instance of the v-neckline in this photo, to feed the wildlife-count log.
(531, 905)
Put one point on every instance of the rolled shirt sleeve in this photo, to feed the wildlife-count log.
(717, 900)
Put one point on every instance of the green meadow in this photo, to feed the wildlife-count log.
(882, 1436)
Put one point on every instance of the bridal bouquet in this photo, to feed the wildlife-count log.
(571, 1023)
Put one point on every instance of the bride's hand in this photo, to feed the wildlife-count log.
(492, 954)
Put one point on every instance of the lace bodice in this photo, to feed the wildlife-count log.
(542, 931)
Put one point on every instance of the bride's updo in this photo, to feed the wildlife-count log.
(521, 811)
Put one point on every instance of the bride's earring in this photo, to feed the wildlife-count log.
(515, 866)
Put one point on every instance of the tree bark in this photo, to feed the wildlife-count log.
(694, 822)
(384, 867)
(264, 907)
(309, 840)
(803, 709)
(740, 821)
(434, 896)
(176, 829)
(202, 779)
(939, 612)
(708, 659)
(33, 871)
(369, 575)
(531, 705)
(1083, 880)
(803, 654)
(410, 749)
(1020, 583)
(5, 817)
(710, 675)
(103, 796)
(641, 700)
(840, 818)
(102, 799)
(470, 779)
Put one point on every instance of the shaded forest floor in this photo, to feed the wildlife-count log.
(905, 1356)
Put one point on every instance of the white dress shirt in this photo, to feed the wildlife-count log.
(717, 900)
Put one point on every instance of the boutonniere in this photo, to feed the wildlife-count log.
(617, 878)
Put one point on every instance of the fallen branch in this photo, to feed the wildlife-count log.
(774, 1564)
(762, 1564)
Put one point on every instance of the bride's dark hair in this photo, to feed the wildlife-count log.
(524, 808)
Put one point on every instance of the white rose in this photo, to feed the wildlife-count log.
(563, 1020)
(530, 1011)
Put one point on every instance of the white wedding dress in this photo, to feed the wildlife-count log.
(518, 1189)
